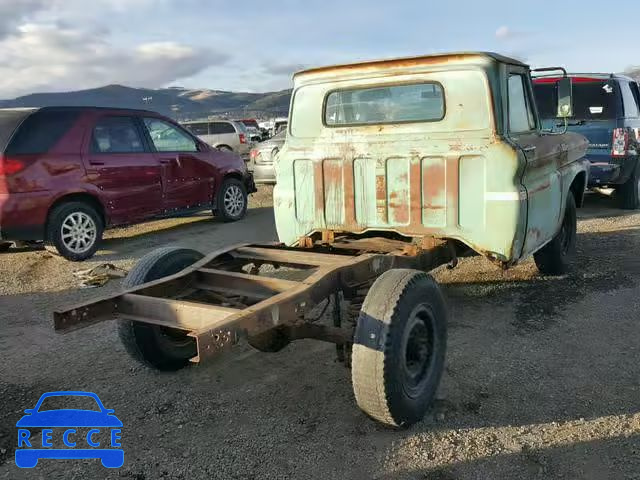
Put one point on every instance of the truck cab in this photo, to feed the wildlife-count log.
(447, 146)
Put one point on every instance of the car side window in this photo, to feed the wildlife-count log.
(629, 100)
(116, 135)
(197, 128)
(220, 128)
(521, 117)
(168, 138)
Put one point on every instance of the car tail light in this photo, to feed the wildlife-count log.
(620, 142)
(10, 166)
(253, 154)
(243, 138)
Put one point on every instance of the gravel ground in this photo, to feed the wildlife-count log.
(542, 377)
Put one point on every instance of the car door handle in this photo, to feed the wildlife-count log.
(529, 149)
(96, 163)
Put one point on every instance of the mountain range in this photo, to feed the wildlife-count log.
(176, 102)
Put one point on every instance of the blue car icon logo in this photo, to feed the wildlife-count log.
(69, 433)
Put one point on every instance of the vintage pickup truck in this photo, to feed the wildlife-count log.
(390, 169)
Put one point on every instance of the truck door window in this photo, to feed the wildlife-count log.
(628, 100)
(520, 112)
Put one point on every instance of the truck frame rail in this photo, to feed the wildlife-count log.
(226, 296)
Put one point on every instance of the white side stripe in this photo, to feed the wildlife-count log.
(505, 196)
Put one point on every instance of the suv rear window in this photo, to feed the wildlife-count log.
(41, 131)
(9, 121)
(597, 100)
(420, 102)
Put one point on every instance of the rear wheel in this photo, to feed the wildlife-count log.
(74, 231)
(5, 246)
(555, 257)
(399, 347)
(232, 201)
(630, 191)
(158, 347)
(224, 148)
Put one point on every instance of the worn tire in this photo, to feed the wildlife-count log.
(394, 380)
(53, 235)
(630, 191)
(158, 347)
(224, 210)
(555, 257)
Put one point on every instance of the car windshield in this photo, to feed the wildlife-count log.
(593, 100)
(69, 402)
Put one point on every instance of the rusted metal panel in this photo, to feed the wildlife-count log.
(434, 192)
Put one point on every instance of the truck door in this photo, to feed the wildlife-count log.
(542, 156)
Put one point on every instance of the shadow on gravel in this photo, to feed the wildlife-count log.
(539, 301)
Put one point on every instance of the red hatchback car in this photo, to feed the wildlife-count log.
(67, 173)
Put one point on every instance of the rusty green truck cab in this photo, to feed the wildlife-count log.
(446, 146)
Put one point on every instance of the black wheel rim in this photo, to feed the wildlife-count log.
(418, 348)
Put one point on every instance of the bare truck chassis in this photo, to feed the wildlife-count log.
(397, 329)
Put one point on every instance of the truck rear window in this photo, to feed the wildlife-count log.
(597, 100)
(41, 131)
(420, 102)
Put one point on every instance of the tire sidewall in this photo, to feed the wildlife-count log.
(379, 353)
(155, 346)
(221, 211)
(412, 408)
(54, 230)
(629, 191)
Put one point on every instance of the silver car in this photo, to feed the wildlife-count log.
(262, 157)
(222, 134)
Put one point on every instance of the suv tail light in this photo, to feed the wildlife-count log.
(254, 153)
(243, 138)
(620, 142)
(10, 166)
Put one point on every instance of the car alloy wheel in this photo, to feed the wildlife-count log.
(78, 232)
(233, 201)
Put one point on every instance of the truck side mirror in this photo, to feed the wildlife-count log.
(565, 98)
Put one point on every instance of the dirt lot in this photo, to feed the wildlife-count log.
(542, 380)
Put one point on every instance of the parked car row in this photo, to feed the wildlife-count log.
(222, 134)
(67, 173)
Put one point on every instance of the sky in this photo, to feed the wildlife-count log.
(248, 45)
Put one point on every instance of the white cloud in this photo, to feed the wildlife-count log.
(503, 32)
(39, 57)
